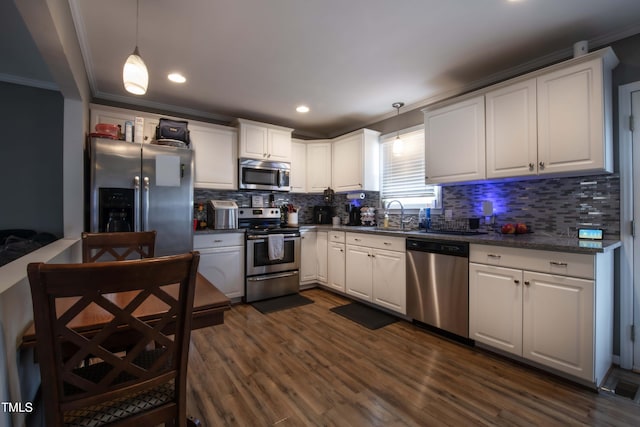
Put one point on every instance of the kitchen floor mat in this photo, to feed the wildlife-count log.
(281, 303)
(364, 315)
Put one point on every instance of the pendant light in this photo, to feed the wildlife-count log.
(134, 73)
(398, 144)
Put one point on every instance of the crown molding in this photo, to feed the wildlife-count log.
(24, 81)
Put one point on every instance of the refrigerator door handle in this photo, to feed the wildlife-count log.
(145, 204)
(136, 209)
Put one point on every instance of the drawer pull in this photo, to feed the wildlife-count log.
(357, 240)
(217, 241)
(558, 263)
(387, 243)
(494, 256)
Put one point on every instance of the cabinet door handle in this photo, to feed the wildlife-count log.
(531, 166)
(527, 282)
(559, 263)
(341, 250)
(373, 256)
(541, 165)
(264, 154)
(516, 281)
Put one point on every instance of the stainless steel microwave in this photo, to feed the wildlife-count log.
(263, 175)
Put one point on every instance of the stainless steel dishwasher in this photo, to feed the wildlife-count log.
(438, 284)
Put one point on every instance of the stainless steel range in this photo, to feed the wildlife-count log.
(272, 254)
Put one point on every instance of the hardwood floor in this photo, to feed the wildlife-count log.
(307, 366)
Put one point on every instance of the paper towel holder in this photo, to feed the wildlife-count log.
(355, 196)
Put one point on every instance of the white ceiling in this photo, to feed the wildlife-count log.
(347, 60)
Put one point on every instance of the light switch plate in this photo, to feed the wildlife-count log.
(487, 208)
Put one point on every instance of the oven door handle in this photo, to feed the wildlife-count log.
(272, 276)
(261, 239)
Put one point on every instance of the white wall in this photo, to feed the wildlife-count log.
(51, 26)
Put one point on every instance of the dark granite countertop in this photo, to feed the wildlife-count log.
(526, 241)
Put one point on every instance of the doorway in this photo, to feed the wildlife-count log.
(629, 136)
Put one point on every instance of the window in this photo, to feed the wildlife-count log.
(403, 173)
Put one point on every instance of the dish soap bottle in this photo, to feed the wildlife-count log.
(386, 220)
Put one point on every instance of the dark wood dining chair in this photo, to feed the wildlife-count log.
(138, 388)
(118, 246)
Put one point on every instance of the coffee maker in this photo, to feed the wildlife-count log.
(354, 215)
(322, 215)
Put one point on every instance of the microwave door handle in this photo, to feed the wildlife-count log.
(136, 203)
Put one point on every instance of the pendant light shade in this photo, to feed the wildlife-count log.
(398, 143)
(134, 73)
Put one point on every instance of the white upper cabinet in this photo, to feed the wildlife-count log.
(355, 164)
(298, 177)
(555, 121)
(215, 156)
(574, 119)
(318, 166)
(264, 142)
(310, 166)
(512, 137)
(455, 142)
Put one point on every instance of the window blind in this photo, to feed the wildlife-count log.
(403, 173)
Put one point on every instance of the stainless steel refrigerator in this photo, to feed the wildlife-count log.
(141, 187)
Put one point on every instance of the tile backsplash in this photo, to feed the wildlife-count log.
(304, 202)
(554, 206)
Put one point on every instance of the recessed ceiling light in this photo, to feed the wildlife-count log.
(177, 78)
(302, 109)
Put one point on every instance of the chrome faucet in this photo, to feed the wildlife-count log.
(401, 211)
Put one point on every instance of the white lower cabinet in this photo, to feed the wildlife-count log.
(389, 284)
(336, 261)
(222, 261)
(359, 272)
(376, 270)
(321, 251)
(558, 323)
(308, 255)
(530, 303)
(495, 309)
